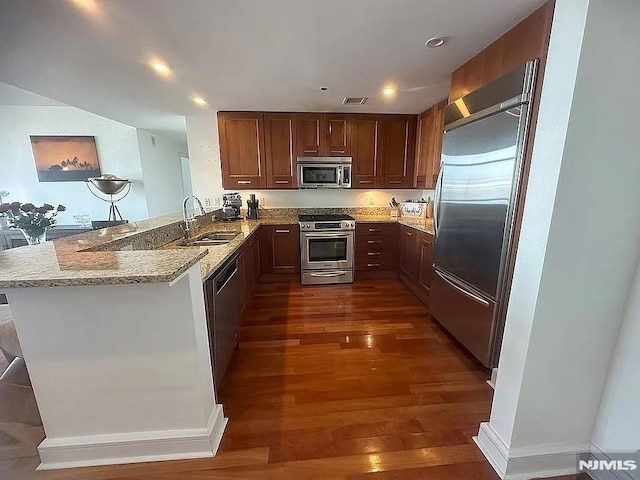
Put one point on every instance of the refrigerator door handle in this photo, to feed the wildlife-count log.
(472, 296)
(436, 200)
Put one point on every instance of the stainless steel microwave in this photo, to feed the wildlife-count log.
(324, 172)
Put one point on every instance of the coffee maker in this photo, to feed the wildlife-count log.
(252, 207)
(231, 206)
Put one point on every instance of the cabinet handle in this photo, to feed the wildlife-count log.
(371, 242)
(282, 231)
(310, 151)
(394, 181)
(371, 254)
(409, 234)
(337, 151)
(244, 182)
(373, 264)
(282, 182)
(375, 230)
(364, 181)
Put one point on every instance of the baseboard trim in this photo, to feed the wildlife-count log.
(598, 454)
(526, 463)
(71, 452)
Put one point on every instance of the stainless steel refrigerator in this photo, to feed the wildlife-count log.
(475, 204)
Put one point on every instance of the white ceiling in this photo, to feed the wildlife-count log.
(242, 54)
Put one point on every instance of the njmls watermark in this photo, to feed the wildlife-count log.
(612, 462)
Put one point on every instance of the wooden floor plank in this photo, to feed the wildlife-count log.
(349, 382)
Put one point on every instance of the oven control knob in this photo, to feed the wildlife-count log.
(308, 226)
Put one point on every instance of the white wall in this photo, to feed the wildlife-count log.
(204, 156)
(580, 238)
(117, 146)
(206, 173)
(162, 172)
(618, 424)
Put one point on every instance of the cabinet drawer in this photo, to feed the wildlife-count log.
(382, 262)
(382, 243)
(376, 229)
(242, 182)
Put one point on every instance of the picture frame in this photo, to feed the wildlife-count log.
(65, 158)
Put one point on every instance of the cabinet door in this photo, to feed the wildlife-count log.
(280, 150)
(280, 249)
(424, 148)
(409, 253)
(365, 149)
(309, 134)
(435, 151)
(398, 150)
(242, 150)
(338, 129)
(426, 262)
(256, 258)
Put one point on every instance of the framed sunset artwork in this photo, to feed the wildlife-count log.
(65, 158)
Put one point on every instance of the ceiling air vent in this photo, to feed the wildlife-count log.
(354, 100)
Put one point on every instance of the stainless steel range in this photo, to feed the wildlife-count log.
(327, 248)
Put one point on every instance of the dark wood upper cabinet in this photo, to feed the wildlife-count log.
(429, 146)
(280, 150)
(259, 150)
(526, 41)
(365, 150)
(436, 145)
(423, 147)
(398, 151)
(242, 150)
(338, 138)
(310, 134)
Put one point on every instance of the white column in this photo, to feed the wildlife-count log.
(121, 373)
(579, 244)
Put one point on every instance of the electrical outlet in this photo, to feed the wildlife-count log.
(263, 202)
(372, 200)
(216, 201)
(207, 202)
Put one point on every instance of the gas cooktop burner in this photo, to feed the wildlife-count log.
(324, 218)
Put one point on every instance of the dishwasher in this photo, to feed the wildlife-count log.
(227, 288)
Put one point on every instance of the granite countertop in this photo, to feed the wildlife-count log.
(140, 252)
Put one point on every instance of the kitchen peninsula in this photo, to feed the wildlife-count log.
(119, 353)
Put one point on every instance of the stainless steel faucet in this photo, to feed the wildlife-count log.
(185, 215)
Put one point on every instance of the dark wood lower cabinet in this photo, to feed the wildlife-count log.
(409, 253)
(250, 268)
(280, 250)
(376, 250)
(416, 261)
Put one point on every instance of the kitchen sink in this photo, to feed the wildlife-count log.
(210, 239)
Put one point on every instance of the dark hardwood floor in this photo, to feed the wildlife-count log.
(336, 382)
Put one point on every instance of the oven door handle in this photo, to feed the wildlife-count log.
(328, 274)
(320, 236)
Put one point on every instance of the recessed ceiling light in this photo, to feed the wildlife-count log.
(199, 101)
(436, 42)
(161, 68)
(389, 91)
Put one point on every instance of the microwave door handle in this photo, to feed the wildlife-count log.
(339, 176)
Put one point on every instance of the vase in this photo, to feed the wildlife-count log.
(34, 237)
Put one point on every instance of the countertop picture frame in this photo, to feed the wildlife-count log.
(65, 158)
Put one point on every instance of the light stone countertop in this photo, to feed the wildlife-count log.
(105, 256)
